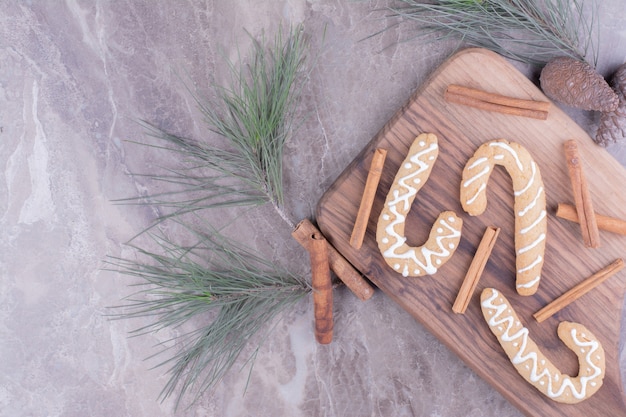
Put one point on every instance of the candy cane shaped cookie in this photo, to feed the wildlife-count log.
(446, 231)
(532, 365)
(529, 206)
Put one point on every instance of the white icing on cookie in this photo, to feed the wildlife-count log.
(421, 256)
(445, 233)
(531, 181)
(529, 206)
(530, 361)
(529, 284)
(532, 244)
(530, 227)
(533, 202)
(476, 177)
(532, 265)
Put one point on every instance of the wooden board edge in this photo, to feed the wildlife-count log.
(369, 148)
(396, 116)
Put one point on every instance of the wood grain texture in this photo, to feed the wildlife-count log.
(429, 299)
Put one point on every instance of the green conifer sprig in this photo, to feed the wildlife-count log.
(530, 31)
(226, 292)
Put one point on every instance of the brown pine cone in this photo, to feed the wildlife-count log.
(577, 84)
(612, 127)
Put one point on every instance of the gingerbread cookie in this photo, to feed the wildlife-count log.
(530, 203)
(532, 365)
(445, 234)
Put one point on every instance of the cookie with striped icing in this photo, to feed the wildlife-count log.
(530, 203)
(445, 233)
(533, 365)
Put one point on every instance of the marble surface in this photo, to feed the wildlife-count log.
(75, 77)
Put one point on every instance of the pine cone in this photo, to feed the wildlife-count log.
(577, 84)
(612, 127)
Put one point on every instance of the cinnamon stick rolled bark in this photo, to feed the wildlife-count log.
(582, 197)
(609, 224)
(476, 269)
(484, 100)
(322, 289)
(579, 290)
(338, 264)
(365, 208)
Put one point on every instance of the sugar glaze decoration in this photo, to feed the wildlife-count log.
(529, 205)
(445, 233)
(532, 364)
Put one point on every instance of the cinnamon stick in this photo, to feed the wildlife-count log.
(365, 208)
(322, 289)
(609, 224)
(475, 269)
(579, 290)
(338, 264)
(484, 100)
(582, 197)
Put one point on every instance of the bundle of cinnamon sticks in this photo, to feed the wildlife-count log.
(324, 258)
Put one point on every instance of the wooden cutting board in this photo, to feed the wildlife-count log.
(429, 299)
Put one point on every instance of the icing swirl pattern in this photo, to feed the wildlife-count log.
(532, 364)
(529, 206)
(445, 233)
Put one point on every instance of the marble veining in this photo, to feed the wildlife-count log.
(75, 77)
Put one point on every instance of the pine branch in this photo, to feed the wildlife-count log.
(242, 292)
(245, 291)
(530, 31)
(256, 117)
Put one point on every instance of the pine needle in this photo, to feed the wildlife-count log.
(530, 31)
(244, 291)
(235, 293)
(256, 116)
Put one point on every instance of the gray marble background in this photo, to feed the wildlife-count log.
(75, 76)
